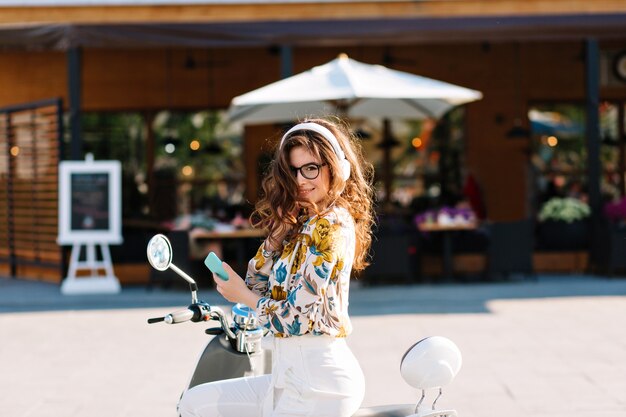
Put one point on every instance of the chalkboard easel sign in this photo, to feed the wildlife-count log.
(90, 209)
(90, 202)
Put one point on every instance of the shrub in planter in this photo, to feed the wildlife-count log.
(563, 224)
(566, 210)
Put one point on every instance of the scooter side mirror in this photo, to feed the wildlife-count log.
(159, 252)
(432, 362)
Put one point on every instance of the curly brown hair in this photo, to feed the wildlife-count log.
(280, 189)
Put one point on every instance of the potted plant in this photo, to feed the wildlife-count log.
(563, 224)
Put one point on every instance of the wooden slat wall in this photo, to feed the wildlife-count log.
(30, 149)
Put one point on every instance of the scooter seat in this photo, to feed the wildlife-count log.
(396, 410)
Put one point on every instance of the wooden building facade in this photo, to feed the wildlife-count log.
(100, 57)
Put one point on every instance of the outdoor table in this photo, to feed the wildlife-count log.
(446, 231)
(198, 235)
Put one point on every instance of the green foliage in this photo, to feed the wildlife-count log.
(564, 209)
(219, 155)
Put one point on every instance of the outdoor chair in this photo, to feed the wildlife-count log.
(393, 254)
(510, 249)
(459, 243)
(608, 251)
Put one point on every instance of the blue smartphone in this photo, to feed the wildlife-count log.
(215, 265)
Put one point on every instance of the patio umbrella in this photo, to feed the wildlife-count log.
(350, 89)
(553, 123)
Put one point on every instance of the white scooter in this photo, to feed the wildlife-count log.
(236, 349)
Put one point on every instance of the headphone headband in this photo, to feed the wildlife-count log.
(327, 134)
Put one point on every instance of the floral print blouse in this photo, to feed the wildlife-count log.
(304, 289)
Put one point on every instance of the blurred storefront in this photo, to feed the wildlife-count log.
(148, 84)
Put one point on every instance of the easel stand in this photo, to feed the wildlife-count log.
(94, 283)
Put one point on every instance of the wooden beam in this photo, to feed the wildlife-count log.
(74, 82)
(98, 14)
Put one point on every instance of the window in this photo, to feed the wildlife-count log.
(559, 151)
(197, 162)
(202, 154)
(426, 162)
(121, 136)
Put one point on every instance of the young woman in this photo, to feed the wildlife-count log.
(317, 207)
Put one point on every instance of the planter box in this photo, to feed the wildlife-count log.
(570, 262)
(562, 236)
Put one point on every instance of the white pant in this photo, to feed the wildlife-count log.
(311, 376)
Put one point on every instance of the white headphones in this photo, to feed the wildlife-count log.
(328, 135)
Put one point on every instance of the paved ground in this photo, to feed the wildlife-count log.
(552, 347)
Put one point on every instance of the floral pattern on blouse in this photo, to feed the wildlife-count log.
(304, 289)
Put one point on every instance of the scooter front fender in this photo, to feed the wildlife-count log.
(220, 361)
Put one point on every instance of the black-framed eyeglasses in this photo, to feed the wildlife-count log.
(308, 171)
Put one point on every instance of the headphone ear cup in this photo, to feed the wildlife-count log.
(345, 169)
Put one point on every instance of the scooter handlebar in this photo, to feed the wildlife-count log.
(179, 316)
(195, 312)
(156, 320)
(175, 317)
